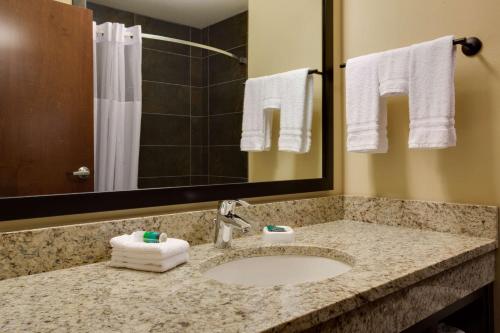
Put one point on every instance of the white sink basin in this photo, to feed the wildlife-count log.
(268, 271)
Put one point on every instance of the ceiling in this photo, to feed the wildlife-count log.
(194, 13)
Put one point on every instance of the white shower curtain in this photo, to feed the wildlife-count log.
(117, 106)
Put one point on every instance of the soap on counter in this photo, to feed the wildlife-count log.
(278, 234)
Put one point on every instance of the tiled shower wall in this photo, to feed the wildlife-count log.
(225, 87)
(192, 101)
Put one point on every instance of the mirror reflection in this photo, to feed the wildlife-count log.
(169, 87)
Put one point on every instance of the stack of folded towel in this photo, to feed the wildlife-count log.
(130, 252)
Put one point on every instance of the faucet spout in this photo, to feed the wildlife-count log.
(240, 223)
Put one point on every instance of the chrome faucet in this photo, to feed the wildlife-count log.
(226, 220)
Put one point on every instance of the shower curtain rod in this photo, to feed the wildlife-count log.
(242, 60)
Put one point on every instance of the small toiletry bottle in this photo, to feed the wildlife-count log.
(149, 236)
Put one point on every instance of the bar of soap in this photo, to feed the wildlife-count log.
(286, 236)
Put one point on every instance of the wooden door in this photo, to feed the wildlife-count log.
(46, 97)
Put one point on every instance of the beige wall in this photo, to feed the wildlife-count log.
(65, 1)
(467, 173)
(279, 43)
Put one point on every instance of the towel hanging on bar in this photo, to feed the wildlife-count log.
(470, 46)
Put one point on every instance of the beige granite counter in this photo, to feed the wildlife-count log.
(387, 259)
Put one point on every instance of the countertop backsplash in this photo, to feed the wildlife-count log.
(41, 250)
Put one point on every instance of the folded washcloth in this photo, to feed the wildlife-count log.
(162, 266)
(432, 94)
(366, 112)
(393, 72)
(257, 121)
(124, 257)
(142, 255)
(128, 244)
(297, 92)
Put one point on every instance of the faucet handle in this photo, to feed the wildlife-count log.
(227, 207)
(242, 202)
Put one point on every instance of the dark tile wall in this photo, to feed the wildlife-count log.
(225, 88)
(192, 102)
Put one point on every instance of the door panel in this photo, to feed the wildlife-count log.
(46, 97)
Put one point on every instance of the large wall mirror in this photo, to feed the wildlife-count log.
(161, 122)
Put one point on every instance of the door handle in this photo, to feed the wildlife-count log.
(83, 172)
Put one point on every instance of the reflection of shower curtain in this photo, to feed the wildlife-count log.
(117, 106)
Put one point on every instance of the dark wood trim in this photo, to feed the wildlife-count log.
(53, 205)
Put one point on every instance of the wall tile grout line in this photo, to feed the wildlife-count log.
(208, 104)
(168, 52)
(190, 111)
(165, 114)
(197, 87)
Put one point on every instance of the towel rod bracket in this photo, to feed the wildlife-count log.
(471, 46)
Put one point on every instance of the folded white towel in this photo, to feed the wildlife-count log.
(257, 120)
(432, 94)
(142, 255)
(366, 112)
(120, 256)
(162, 266)
(393, 72)
(297, 94)
(171, 247)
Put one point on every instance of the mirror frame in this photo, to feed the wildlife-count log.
(13, 208)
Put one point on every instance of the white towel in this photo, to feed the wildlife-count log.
(366, 112)
(432, 94)
(297, 94)
(144, 256)
(171, 247)
(257, 121)
(292, 93)
(162, 266)
(393, 72)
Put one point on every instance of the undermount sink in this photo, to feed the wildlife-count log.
(272, 270)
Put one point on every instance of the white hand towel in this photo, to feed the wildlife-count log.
(432, 94)
(366, 112)
(297, 92)
(146, 261)
(169, 248)
(144, 256)
(257, 121)
(156, 267)
(393, 72)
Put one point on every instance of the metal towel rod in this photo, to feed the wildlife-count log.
(309, 72)
(470, 46)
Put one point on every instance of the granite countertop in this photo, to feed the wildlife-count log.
(99, 298)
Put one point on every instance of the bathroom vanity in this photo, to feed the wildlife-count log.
(401, 277)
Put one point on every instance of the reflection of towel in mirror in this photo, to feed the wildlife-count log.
(296, 111)
(292, 93)
(257, 122)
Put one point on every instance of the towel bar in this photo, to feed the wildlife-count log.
(470, 46)
(310, 72)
